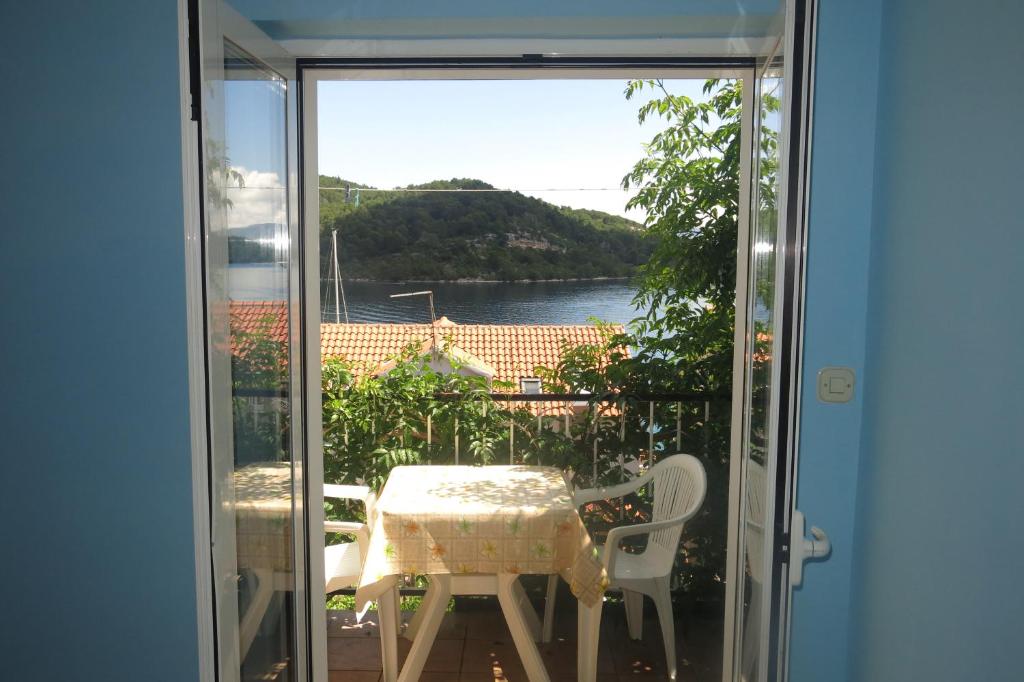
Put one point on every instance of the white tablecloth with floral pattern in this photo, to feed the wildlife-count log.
(263, 522)
(490, 519)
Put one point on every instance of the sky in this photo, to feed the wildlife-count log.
(526, 135)
(256, 141)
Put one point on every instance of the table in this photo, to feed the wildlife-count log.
(475, 530)
(263, 516)
(263, 537)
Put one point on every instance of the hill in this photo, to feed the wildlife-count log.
(454, 235)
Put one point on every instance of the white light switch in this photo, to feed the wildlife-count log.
(835, 384)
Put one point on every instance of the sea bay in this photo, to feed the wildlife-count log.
(557, 302)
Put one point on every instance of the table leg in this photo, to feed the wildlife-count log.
(428, 627)
(250, 622)
(386, 610)
(526, 608)
(425, 606)
(549, 609)
(519, 626)
(588, 631)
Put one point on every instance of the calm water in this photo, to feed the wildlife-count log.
(463, 303)
(492, 303)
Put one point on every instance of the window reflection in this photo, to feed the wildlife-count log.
(252, 172)
(765, 221)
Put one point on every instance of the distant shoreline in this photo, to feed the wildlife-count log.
(464, 280)
(473, 280)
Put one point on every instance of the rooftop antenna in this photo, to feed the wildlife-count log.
(430, 297)
(339, 288)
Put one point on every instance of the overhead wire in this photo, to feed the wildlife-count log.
(453, 190)
(495, 189)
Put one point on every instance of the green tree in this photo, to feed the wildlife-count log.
(259, 369)
(220, 175)
(689, 184)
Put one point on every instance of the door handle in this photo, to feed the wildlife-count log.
(803, 549)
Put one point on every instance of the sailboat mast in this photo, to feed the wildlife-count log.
(339, 290)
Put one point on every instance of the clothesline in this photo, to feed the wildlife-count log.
(545, 189)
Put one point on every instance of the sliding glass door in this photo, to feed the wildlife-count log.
(254, 362)
(758, 456)
(765, 469)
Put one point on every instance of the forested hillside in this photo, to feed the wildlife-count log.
(471, 235)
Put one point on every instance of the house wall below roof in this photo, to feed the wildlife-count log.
(98, 560)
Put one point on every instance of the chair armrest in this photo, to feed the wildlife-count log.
(346, 492)
(587, 495)
(359, 531)
(619, 533)
(346, 527)
(361, 493)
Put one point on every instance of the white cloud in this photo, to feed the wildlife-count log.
(261, 198)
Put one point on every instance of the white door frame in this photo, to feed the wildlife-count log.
(738, 423)
(314, 394)
(797, 51)
(195, 330)
(216, 22)
(243, 31)
(801, 184)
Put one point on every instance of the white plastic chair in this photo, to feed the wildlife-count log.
(753, 543)
(343, 562)
(679, 488)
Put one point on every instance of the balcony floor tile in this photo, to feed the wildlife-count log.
(474, 645)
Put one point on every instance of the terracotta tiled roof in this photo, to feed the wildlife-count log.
(512, 350)
(250, 317)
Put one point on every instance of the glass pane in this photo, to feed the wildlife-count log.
(765, 222)
(255, 202)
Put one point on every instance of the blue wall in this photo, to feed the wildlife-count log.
(940, 541)
(918, 480)
(98, 569)
(842, 177)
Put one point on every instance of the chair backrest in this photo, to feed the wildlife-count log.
(680, 485)
(753, 525)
